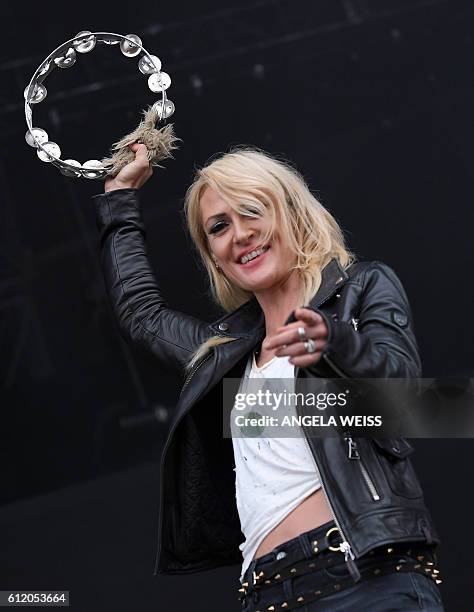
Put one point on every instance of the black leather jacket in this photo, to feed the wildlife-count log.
(370, 335)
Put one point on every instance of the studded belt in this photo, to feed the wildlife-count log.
(326, 552)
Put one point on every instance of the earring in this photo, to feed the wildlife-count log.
(215, 262)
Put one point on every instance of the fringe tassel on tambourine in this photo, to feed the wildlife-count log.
(160, 143)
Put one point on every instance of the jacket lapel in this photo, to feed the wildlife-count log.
(333, 277)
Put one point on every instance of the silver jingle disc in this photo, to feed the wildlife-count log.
(147, 67)
(38, 94)
(93, 169)
(94, 164)
(66, 61)
(69, 171)
(169, 108)
(36, 135)
(160, 81)
(84, 41)
(128, 48)
(51, 151)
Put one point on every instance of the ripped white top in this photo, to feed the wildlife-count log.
(272, 475)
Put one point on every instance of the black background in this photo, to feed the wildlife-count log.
(371, 99)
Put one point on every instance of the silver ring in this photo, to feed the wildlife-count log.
(302, 334)
(310, 346)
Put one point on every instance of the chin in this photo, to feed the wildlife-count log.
(260, 284)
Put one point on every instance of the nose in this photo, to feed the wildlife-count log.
(242, 232)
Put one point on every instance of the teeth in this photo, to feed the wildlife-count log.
(252, 255)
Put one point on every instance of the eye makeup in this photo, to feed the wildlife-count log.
(247, 210)
(217, 227)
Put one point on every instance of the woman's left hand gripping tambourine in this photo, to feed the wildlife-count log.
(159, 142)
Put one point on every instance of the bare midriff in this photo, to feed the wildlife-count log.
(311, 513)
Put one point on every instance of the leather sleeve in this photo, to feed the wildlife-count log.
(139, 308)
(384, 345)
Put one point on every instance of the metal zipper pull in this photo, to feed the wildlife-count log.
(353, 452)
(349, 559)
(355, 324)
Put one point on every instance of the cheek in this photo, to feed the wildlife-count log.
(221, 249)
(214, 243)
(284, 257)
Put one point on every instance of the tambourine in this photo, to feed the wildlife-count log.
(159, 142)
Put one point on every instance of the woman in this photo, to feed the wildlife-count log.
(347, 528)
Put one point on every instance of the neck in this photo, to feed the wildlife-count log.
(278, 302)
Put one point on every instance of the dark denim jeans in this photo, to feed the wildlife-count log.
(407, 591)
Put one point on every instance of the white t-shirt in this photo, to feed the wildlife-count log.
(272, 475)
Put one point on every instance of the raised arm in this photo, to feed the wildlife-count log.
(135, 297)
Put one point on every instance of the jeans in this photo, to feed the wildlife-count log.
(407, 591)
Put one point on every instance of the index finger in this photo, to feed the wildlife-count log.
(308, 316)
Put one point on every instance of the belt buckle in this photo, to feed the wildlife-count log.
(333, 548)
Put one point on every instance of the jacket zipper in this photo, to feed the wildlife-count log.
(344, 546)
(160, 520)
(353, 453)
(194, 370)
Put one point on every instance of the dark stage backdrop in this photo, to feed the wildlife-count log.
(371, 99)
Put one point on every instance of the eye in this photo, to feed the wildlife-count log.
(218, 227)
(250, 210)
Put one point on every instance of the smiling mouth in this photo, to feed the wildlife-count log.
(253, 255)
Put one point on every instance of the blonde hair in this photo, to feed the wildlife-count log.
(255, 184)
